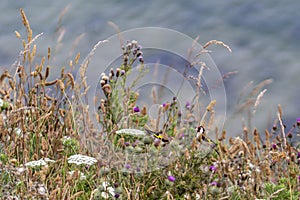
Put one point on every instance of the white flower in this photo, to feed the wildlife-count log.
(106, 186)
(18, 132)
(79, 159)
(257, 170)
(81, 175)
(104, 195)
(1, 102)
(20, 170)
(131, 132)
(42, 190)
(41, 162)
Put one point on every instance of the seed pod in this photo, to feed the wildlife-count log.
(118, 70)
(211, 105)
(107, 89)
(47, 72)
(50, 83)
(71, 78)
(49, 53)
(18, 34)
(61, 85)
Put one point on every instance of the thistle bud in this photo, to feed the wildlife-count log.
(118, 70)
(107, 89)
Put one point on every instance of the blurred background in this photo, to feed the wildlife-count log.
(264, 37)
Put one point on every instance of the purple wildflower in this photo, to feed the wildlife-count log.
(171, 178)
(213, 168)
(181, 136)
(117, 195)
(122, 72)
(135, 143)
(274, 146)
(139, 47)
(141, 59)
(188, 105)
(214, 183)
(127, 166)
(136, 109)
(127, 144)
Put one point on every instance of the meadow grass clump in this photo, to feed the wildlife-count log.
(50, 149)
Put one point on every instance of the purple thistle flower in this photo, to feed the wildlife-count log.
(135, 143)
(181, 136)
(127, 166)
(141, 59)
(164, 104)
(127, 144)
(214, 183)
(139, 47)
(122, 72)
(136, 109)
(298, 156)
(298, 120)
(274, 146)
(188, 105)
(171, 178)
(213, 168)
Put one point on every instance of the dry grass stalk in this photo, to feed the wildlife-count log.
(211, 105)
(261, 85)
(118, 31)
(26, 24)
(282, 128)
(18, 34)
(258, 99)
(217, 42)
(158, 117)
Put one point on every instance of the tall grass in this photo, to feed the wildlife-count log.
(50, 149)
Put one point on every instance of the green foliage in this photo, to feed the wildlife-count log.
(281, 190)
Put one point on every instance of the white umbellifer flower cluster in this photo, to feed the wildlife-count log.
(131, 132)
(79, 159)
(41, 162)
(1, 102)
